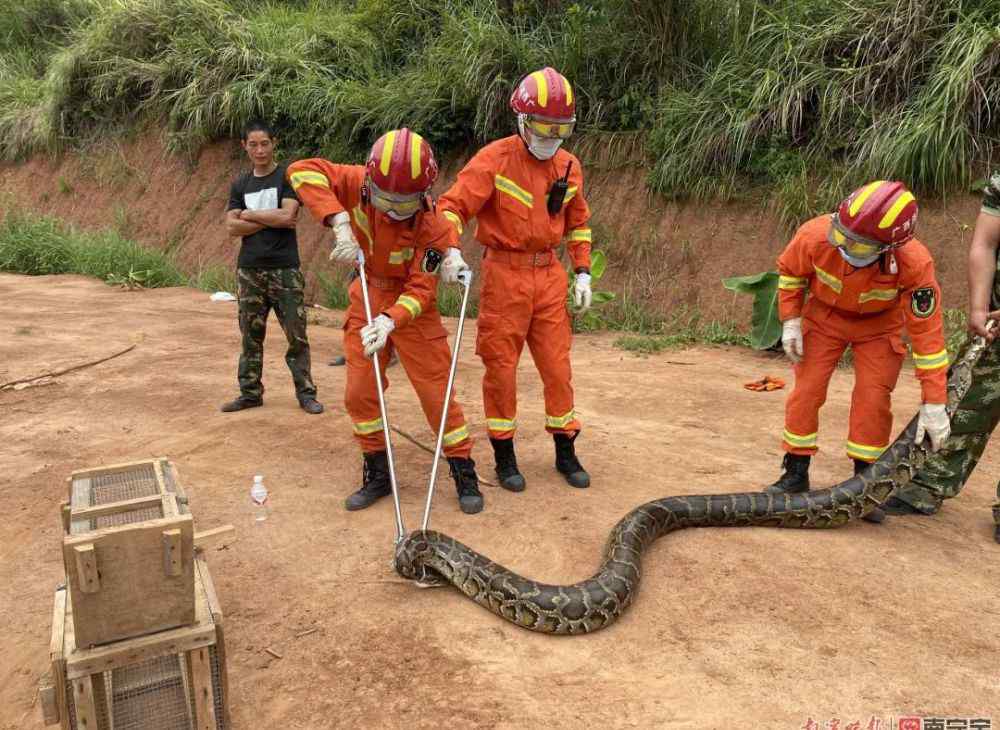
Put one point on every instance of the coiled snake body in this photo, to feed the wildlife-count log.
(433, 558)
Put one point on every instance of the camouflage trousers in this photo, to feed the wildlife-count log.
(944, 473)
(259, 291)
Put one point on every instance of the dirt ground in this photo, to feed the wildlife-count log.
(758, 628)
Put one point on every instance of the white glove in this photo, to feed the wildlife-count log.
(791, 338)
(453, 265)
(933, 422)
(581, 292)
(375, 335)
(345, 247)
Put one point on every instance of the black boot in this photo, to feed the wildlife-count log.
(376, 482)
(996, 533)
(507, 472)
(566, 462)
(463, 471)
(795, 478)
(877, 515)
(895, 506)
(241, 404)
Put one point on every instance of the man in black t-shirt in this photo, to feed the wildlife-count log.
(262, 211)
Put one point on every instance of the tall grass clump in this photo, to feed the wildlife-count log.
(43, 245)
(803, 99)
(815, 97)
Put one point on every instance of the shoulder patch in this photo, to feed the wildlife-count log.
(923, 302)
(431, 261)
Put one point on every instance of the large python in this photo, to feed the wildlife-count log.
(432, 558)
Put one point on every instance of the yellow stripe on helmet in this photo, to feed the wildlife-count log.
(865, 193)
(569, 91)
(415, 140)
(543, 88)
(893, 213)
(387, 148)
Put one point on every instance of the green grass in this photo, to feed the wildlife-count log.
(334, 289)
(42, 245)
(800, 100)
(214, 278)
(449, 301)
(684, 332)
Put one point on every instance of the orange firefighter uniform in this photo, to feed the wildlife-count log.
(401, 261)
(866, 308)
(523, 296)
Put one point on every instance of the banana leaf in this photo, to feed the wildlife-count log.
(766, 327)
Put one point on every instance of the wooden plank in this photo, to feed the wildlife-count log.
(86, 568)
(101, 699)
(161, 482)
(84, 703)
(47, 700)
(57, 656)
(65, 510)
(83, 661)
(79, 491)
(172, 563)
(112, 508)
(109, 469)
(136, 597)
(168, 503)
(58, 624)
(216, 536)
(188, 690)
(220, 638)
(173, 478)
(201, 681)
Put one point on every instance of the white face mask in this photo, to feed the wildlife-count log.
(856, 262)
(397, 217)
(543, 149)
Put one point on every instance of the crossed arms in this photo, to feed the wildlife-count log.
(241, 223)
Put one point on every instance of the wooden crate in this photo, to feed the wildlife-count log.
(128, 551)
(170, 680)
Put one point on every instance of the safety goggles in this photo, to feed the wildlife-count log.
(858, 248)
(398, 206)
(550, 130)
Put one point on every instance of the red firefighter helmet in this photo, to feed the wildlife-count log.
(546, 97)
(402, 163)
(874, 218)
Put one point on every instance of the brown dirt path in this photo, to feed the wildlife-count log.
(734, 628)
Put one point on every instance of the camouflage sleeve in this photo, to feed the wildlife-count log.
(991, 195)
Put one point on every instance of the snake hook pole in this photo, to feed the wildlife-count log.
(400, 533)
(466, 278)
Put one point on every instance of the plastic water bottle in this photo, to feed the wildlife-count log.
(258, 500)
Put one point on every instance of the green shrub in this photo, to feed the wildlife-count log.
(40, 245)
